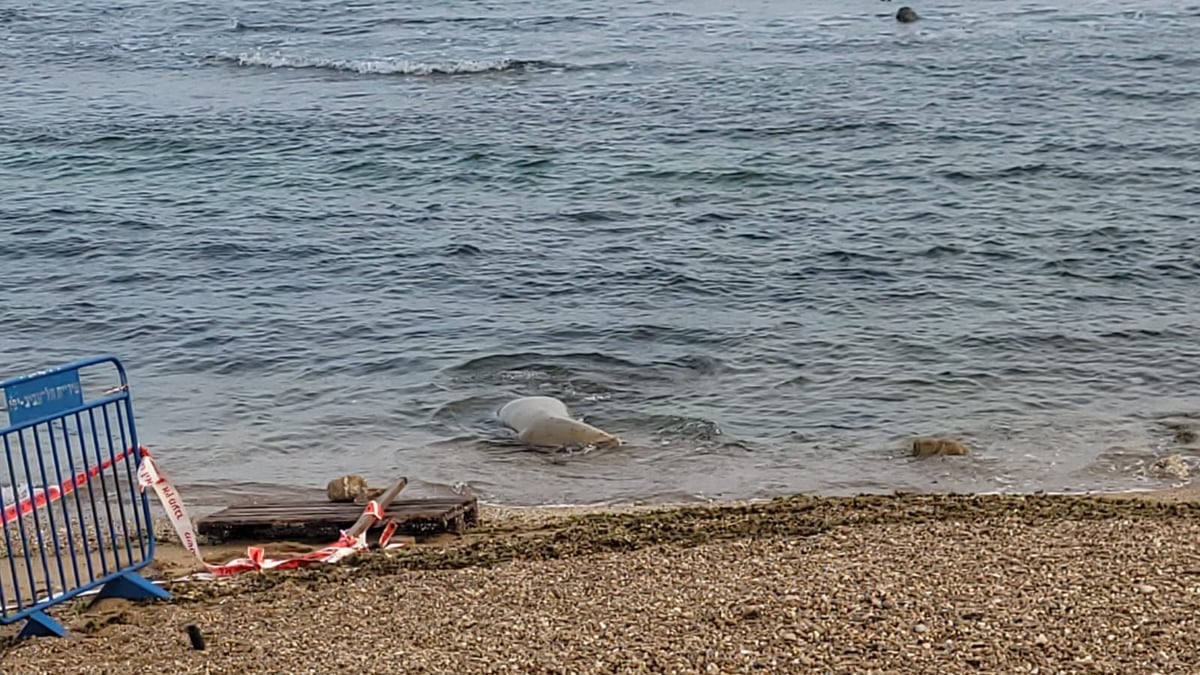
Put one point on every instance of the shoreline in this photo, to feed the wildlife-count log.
(1143, 540)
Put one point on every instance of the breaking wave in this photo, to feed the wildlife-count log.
(382, 66)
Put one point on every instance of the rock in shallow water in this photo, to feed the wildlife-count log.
(937, 447)
(1171, 466)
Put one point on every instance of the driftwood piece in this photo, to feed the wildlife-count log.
(385, 500)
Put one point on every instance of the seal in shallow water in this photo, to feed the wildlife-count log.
(545, 421)
(906, 15)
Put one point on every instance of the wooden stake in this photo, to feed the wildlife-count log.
(366, 520)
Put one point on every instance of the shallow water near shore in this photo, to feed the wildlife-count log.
(765, 245)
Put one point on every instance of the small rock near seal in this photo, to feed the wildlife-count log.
(937, 447)
(906, 15)
(346, 488)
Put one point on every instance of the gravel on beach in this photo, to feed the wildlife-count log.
(889, 584)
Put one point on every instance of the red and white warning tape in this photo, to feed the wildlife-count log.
(150, 475)
(40, 498)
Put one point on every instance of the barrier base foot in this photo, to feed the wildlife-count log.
(132, 586)
(39, 624)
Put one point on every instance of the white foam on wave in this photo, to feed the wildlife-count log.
(371, 66)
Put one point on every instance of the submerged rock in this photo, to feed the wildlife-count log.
(937, 447)
(1171, 466)
(1184, 428)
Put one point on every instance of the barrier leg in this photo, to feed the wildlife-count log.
(40, 624)
(132, 586)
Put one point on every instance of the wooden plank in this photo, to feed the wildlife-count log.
(299, 510)
(268, 510)
(324, 521)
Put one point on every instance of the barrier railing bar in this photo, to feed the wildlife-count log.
(12, 559)
(120, 502)
(116, 549)
(131, 473)
(49, 507)
(37, 522)
(37, 443)
(84, 536)
(4, 601)
(8, 545)
(83, 454)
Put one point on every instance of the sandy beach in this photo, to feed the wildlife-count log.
(895, 584)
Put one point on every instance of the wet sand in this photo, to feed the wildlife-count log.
(905, 583)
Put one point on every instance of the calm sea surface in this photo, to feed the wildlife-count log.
(764, 242)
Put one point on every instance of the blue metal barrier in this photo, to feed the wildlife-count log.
(73, 517)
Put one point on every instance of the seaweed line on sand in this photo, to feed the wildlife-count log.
(688, 526)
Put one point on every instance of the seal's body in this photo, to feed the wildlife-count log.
(545, 421)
